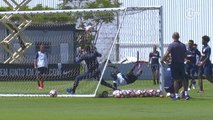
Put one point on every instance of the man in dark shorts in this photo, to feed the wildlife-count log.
(205, 67)
(41, 64)
(177, 51)
(90, 57)
(168, 81)
(124, 79)
(197, 61)
(191, 55)
(154, 62)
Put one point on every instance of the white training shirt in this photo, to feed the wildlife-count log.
(41, 59)
(120, 80)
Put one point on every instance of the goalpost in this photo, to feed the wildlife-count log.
(117, 33)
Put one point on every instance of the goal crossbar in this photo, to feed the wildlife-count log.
(78, 10)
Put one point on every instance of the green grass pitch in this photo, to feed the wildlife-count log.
(40, 108)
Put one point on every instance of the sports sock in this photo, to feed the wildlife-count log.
(39, 85)
(73, 89)
(185, 93)
(42, 84)
(176, 95)
(75, 85)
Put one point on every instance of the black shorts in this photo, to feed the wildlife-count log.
(178, 71)
(205, 69)
(190, 69)
(154, 67)
(42, 70)
(128, 81)
(130, 78)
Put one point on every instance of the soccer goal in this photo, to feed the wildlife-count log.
(123, 36)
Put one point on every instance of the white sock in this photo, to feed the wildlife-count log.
(185, 93)
(176, 95)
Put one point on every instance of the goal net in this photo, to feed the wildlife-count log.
(72, 39)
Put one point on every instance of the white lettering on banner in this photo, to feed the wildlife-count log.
(26, 72)
(29, 72)
(54, 72)
(16, 72)
(3, 72)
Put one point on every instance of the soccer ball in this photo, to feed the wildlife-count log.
(158, 93)
(53, 93)
(116, 93)
(124, 93)
(131, 93)
(168, 94)
(138, 93)
(150, 92)
(171, 95)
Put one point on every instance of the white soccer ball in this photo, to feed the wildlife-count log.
(116, 94)
(150, 92)
(158, 93)
(168, 94)
(53, 93)
(145, 93)
(124, 93)
(132, 93)
(128, 93)
(138, 93)
(121, 94)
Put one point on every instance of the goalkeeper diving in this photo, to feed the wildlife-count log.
(124, 79)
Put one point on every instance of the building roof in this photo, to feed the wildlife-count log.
(52, 27)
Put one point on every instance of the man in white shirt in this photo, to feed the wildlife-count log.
(41, 64)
